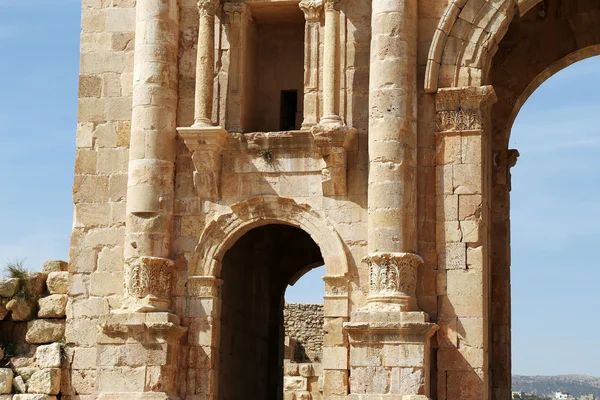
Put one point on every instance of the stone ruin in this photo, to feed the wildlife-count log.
(32, 333)
(225, 148)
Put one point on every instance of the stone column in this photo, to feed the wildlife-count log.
(312, 14)
(205, 63)
(143, 329)
(390, 337)
(151, 157)
(204, 140)
(237, 17)
(330, 64)
(463, 171)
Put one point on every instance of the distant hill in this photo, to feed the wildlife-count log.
(575, 385)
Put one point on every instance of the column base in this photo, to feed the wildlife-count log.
(331, 119)
(389, 355)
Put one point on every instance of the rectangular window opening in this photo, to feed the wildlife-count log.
(289, 109)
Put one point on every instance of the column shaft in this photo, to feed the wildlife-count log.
(152, 153)
(205, 63)
(392, 127)
(330, 64)
(312, 14)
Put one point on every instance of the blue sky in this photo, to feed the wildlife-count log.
(556, 225)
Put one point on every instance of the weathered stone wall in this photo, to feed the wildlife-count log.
(302, 381)
(303, 323)
(32, 321)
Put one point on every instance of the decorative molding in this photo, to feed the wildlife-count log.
(332, 5)
(393, 277)
(334, 142)
(151, 276)
(458, 121)
(236, 12)
(312, 9)
(207, 7)
(463, 109)
(205, 144)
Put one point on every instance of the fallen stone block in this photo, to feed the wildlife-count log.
(58, 282)
(48, 356)
(6, 380)
(45, 381)
(43, 331)
(8, 287)
(33, 397)
(55, 266)
(22, 309)
(53, 306)
(19, 384)
(35, 284)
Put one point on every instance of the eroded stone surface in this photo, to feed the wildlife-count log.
(53, 306)
(44, 331)
(6, 380)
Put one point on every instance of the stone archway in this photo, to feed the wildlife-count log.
(205, 285)
(486, 59)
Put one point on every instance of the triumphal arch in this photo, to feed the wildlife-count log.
(225, 148)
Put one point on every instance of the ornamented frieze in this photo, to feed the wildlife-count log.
(460, 120)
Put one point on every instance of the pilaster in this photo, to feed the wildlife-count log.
(463, 162)
(237, 19)
(313, 14)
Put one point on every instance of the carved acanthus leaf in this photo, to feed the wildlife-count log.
(460, 120)
(393, 274)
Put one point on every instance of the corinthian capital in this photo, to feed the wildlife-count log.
(236, 11)
(333, 5)
(393, 278)
(207, 7)
(312, 9)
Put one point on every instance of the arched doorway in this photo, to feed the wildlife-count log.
(298, 235)
(256, 271)
(486, 58)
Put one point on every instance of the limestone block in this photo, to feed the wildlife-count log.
(44, 331)
(35, 283)
(19, 384)
(303, 395)
(21, 309)
(45, 381)
(48, 356)
(55, 266)
(290, 369)
(6, 397)
(8, 287)
(33, 397)
(294, 383)
(53, 306)
(3, 310)
(289, 396)
(26, 372)
(6, 380)
(306, 370)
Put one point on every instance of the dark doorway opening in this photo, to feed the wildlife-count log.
(289, 109)
(256, 271)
